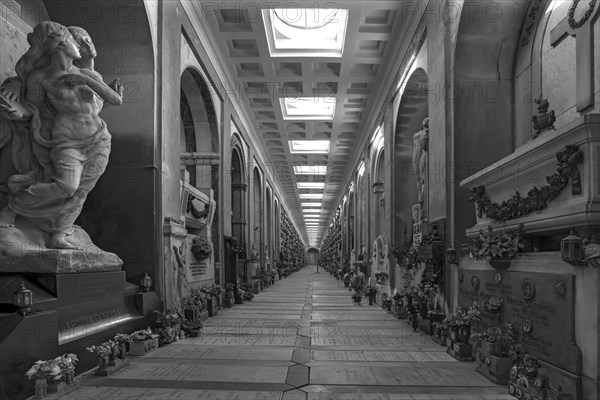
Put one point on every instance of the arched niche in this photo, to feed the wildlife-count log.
(269, 224)
(199, 140)
(312, 256)
(119, 213)
(238, 193)
(482, 96)
(351, 220)
(257, 211)
(379, 187)
(412, 110)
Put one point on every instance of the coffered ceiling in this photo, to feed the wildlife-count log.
(258, 46)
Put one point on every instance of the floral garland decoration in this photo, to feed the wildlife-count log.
(578, 24)
(536, 199)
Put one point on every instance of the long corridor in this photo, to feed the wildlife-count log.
(302, 338)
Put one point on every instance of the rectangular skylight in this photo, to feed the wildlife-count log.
(310, 169)
(311, 211)
(309, 146)
(311, 185)
(308, 108)
(311, 195)
(312, 205)
(305, 32)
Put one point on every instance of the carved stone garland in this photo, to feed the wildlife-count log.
(578, 24)
(536, 199)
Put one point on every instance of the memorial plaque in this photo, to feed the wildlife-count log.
(539, 305)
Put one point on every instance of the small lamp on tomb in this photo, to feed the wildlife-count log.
(451, 255)
(146, 283)
(571, 249)
(23, 299)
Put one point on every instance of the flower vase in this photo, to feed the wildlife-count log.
(500, 263)
(113, 354)
(464, 333)
(41, 388)
(122, 350)
(103, 361)
(69, 378)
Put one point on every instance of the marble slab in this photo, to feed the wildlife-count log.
(131, 393)
(211, 373)
(390, 356)
(404, 396)
(414, 375)
(185, 351)
(246, 340)
(370, 342)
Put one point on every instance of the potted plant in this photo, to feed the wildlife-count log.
(143, 342)
(370, 292)
(170, 325)
(398, 306)
(459, 327)
(45, 373)
(123, 342)
(382, 277)
(499, 247)
(67, 363)
(104, 352)
(228, 301)
(201, 248)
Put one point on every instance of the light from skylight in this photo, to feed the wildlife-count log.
(308, 108)
(311, 195)
(305, 32)
(311, 185)
(313, 205)
(309, 146)
(310, 169)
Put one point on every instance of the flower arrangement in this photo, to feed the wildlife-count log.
(493, 304)
(463, 318)
(406, 255)
(67, 363)
(495, 244)
(196, 300)
(102, 350)
(382, 277)
(45, 369)
(168, 318)
(229, 287)
(142, 335)
(504, 334)
(201, 248)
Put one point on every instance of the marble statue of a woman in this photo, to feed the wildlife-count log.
(67, 144)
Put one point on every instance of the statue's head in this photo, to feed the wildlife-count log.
(47, 38)
(425, 123)
(83, 38)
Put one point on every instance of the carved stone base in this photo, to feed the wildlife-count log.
(24, 250)
(495, 369)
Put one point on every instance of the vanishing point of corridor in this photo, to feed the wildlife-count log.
(302, 338)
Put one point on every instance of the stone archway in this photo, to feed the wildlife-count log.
(412, 110)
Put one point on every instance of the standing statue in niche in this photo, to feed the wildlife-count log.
(60, 152)
(421, 145)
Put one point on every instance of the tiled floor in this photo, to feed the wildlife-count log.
(302, 338)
